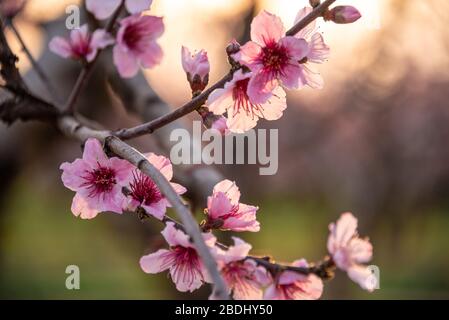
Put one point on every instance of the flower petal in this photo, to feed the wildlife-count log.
(125, 62)
(230, 189)
(137, 6)
(61, 47)
(157, 262)
(102, 9)
(266, 28)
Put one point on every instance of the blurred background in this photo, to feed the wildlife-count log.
(374, 141)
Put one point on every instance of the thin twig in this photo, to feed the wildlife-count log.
(198, 101)
(41, 73)
(88, 69)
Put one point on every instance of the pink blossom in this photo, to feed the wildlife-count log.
(242, 113)
(272, 57)
(197, 68)
(102, 9)
(318, 51)
(144, 192)
(242, 276)
(349, 251)
(295, 286)
(136, 44)
(82, 45)
(97, 181)
(224, 211)
(220, 124)
(186, 268)
(344, 14)
(9, 8)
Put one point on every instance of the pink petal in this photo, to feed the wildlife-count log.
(297, 48)
(341, 232)
(275, 106)
(175, 237)
(72, 175)
(313, 78)
(249, 55)
(363, 277)
(178, 188)
(230, 189)
(241, 121)
(261, 86)
(83, 209)
(123, 170)
(94, 154)
(61, 47)
(157, 209)
(101, 39)
(293, 76)
(361, 250)
(186, 278)
(157, 262)
(306, 32)
(161, 163)
(266, 28)
(244, 220)
(218, 205)
(80, 37)
(153, 26)
(152, 56)
(102, 9)
(220, 100)
(238, 251)
(318, 50)
(137, 6)
(125, 62)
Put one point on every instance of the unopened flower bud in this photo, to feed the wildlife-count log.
(197, 68)
(344, 14)
(212, 121)
(314, 3)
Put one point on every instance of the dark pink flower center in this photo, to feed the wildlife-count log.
(274, 58)
(82, 48)
(136, 37)
(240, 278)
(99, 181)
(186, 264)
(241, 99)
(144, 190)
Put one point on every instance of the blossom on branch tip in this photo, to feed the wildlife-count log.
(317, 53)
(272, 57)
(197, 68)
(343, 14)
(144, 193)
(136, 44)
(224, 211)
(97, 181)
(295, 286)
(242, 113)
(349, 251)
(102, 9)
(242, 276)
(82, 45)
(182, 260)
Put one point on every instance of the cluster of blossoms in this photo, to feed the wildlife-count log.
(268, 64)
(262, 69)
(105, 184)
(134, 43)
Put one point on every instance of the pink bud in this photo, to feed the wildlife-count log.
(344, 14)
(9, 8)
(212, 121)
(220, 125)
(197, 68)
